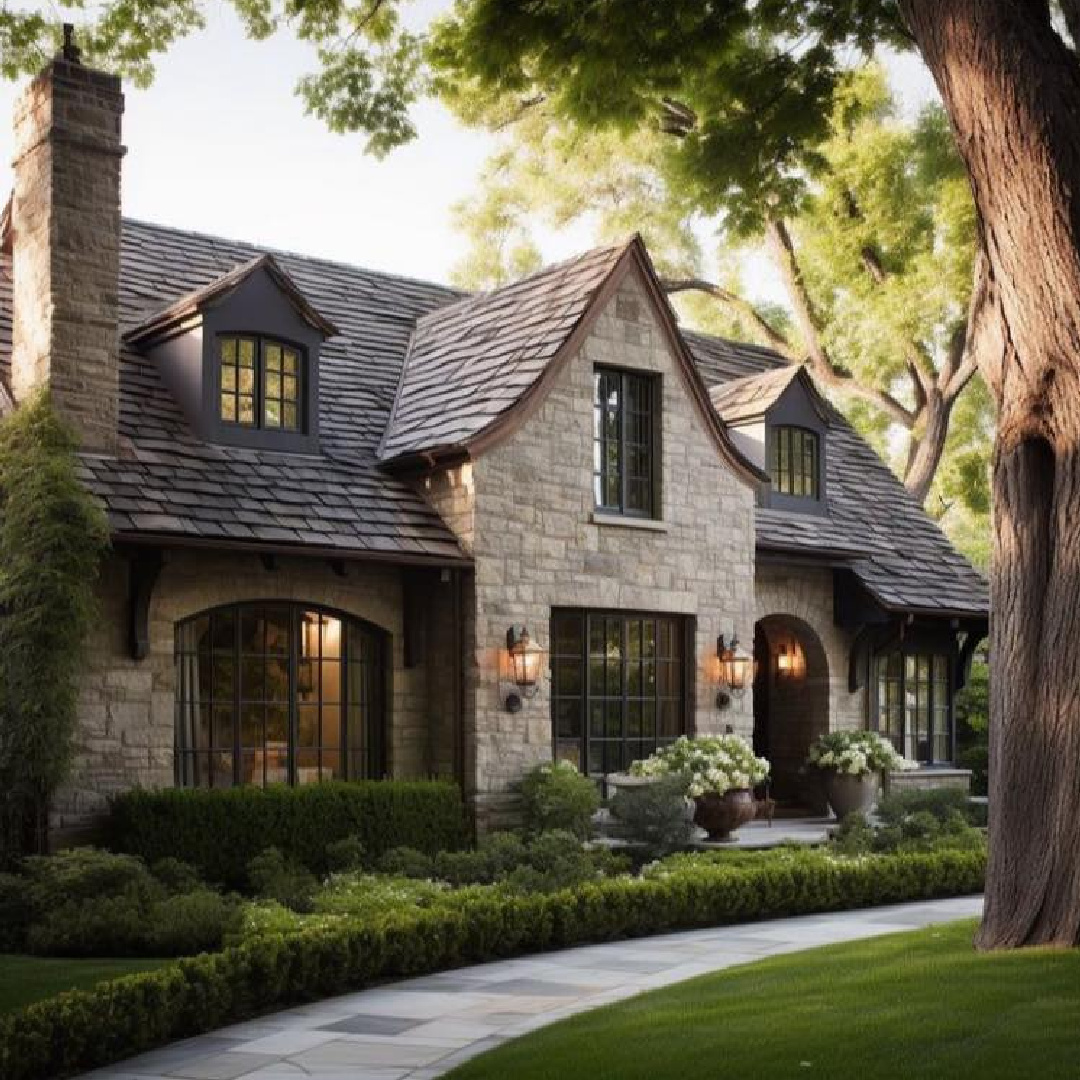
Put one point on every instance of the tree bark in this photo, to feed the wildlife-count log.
(1011, 88)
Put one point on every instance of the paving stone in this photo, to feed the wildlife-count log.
(372, 1025)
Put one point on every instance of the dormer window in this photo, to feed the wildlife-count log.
(794, 461)
(259, 382)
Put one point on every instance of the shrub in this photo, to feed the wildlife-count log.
(942, 803)
(272, 876)
(977, 759)
(913, 821)
(87, 902)
(655, 816)
(15, 912)
(81, 1030)
(221, 831)
(556, 796)
(407, 862)
(346, 854)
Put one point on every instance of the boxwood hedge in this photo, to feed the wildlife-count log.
(220, 831)
(80, 1030)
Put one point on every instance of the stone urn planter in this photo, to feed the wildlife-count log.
(721, 815)
(849, 794)
(626, 786)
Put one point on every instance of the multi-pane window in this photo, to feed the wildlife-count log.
(624, 442)
(914, 704)
(619, 686)
(794, 461)
(278, 693)
(259, 383)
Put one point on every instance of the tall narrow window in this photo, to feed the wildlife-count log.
(794, 461)
(259, 383)
(278, 693)
(619, 686)
(914, 704)
(624, 442)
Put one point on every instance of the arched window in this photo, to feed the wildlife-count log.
(278, 693)
(794, 461)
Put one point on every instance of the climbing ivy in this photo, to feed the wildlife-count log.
(52, 539)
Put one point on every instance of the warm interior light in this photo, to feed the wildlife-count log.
(790, 661)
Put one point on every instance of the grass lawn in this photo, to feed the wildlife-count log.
(24, 979)
(909, 1005)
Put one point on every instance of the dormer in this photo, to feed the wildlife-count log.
(241, 356)
(780, 422)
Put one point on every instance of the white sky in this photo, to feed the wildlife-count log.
(220, 144)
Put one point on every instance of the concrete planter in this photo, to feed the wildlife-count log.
(850, 794)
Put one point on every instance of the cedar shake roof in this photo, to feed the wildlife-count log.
(471, 361)
(169, 485)
(897, 552)
(750, 397)
(176, 313)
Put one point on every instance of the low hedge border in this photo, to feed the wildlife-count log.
(81, 1030)
(220, 831)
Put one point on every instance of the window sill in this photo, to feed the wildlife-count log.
(627, 522)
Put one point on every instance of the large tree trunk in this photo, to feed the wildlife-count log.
(1012, 91)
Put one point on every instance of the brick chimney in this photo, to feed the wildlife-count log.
(65, 220)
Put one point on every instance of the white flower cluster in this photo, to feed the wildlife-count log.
(710, 764)
(857, 753)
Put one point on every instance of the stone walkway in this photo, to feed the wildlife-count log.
(421, 1028)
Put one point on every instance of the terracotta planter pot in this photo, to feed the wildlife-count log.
(848, 794)
(721, 815)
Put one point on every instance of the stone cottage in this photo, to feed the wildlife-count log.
(367, 526)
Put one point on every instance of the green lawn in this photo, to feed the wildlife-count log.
(909, 1005)
(24, 979)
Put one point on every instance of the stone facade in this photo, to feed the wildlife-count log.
(126, 707)
(538, 545)
(66, 258)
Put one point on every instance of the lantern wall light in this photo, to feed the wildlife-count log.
(525, 661)
(735, 665)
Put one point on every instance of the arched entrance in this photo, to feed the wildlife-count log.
(791, 700)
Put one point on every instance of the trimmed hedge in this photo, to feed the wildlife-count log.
(80, 1030)
(220, 831)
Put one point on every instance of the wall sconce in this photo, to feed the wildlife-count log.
(790, 662)
(735, 665)
(526, 660)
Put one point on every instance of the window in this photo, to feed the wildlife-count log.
(259, 383)
(619, 686)
(914, 704)
(278, 693)
(624, 442)
(794, 461)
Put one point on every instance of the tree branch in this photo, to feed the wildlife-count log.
(779, 242)
(742, 309)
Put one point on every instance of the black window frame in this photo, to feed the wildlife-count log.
(781, 472)
(578, 707)
(905, 741)
(651, 384)
(261, 342)
(369, 744)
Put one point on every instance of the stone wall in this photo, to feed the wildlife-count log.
(126, 707)
(66, 256)
(537, 545)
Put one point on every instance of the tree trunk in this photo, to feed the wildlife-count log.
(1012, 91)
(925, 448)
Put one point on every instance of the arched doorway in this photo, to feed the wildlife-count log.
(791, 700)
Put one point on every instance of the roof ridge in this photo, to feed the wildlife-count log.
(289, 253)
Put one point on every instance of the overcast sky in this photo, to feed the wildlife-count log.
(220, 144)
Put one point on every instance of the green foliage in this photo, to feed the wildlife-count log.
(83, 1030)
(914, 821)
(346, 854)
(52, 538)
(654, 816)
(220, 831)
(973, 725)
(288, 882)
(407, 862)
(556, 796)
(16, 912)
(87, 902)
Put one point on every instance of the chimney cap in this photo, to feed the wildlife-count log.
(70, 50)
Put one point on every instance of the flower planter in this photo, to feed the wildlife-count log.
(849, 794)
(626, 785)
(721, 815)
